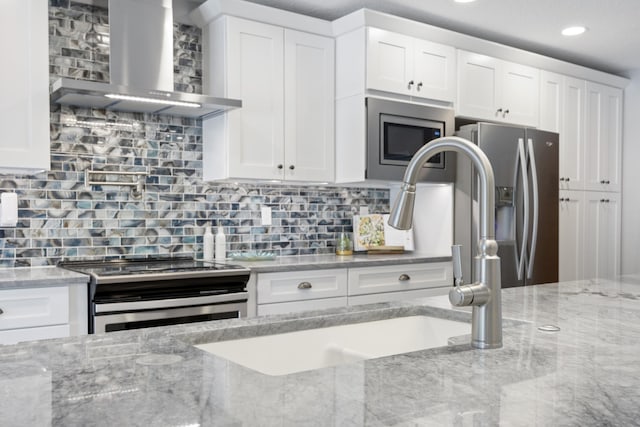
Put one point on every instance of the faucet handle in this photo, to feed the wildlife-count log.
(457, 265)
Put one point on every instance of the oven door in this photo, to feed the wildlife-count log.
(119, 316)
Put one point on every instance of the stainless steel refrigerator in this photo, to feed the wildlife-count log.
(525, 166)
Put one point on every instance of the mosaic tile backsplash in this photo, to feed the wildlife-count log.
(62, 218)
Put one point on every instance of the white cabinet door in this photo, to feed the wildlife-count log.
(389, 61)
(478, 76)
(603, 138)
(571, 223)
(254, 74)
(551, 99)
(572, 134)
(519, 96)
(409, 66)
(601, 235)
(309, 107)
(24, 84)
(492, 89)
(434, 71)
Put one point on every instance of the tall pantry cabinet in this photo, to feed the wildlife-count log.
(588, 117)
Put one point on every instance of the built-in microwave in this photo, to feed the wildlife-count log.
(397, 130)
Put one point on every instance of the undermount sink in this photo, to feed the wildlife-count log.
(291, 352)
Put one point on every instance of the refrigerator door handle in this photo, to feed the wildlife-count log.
(522, 161)
(534, 231)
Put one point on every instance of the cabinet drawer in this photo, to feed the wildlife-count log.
(301, 285)
(393, 278)
(398, 296)
(28, 308)
(298, 306)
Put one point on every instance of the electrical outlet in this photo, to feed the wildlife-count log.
(265, 213)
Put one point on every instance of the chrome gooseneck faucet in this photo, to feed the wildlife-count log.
(484, 293)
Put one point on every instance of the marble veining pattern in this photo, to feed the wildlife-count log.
(587, 374)
(59, 217)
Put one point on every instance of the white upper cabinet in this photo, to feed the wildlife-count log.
(603, 138)
(24, 84)
(409, 66)
(285, 79)
(562, 110)
(497, 90)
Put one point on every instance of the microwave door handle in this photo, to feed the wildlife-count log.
(536, 206)
(521, 164)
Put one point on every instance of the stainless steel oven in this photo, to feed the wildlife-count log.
(396, 130)
(140, 293)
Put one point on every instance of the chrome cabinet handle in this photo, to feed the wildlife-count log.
(499, 111)
(304, 285)
(567, 179)
(505, 113)
(292, 167)
(404, 278)
(410, 84)
(419, 86)
(605, 181)
(561, 179)
(280, 166)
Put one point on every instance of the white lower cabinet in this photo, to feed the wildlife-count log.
(571, 221)
(589, 235)
(288, 292)
(34, 313)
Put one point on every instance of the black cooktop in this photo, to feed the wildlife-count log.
(159, 267)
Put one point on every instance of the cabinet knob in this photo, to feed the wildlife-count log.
(561, 179)
(1, 311)
(562, 199)
(499, 111)
(304, 285)
(505, 113)
(607, 182)
(602, 181)
(292, 167)
(404, 278)
(567, 179)
(410, 84)
(567, 199)
(280, 166)
(419, 86)
(602, 201)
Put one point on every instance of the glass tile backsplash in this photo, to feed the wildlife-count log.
(60, 217)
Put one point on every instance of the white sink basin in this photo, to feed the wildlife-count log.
(298, 351)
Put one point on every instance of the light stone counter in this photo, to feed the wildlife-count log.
(587, 374)
(37, 277)
(312, 262)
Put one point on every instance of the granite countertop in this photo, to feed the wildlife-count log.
(588, 373)
(32, 277)
(312, 262)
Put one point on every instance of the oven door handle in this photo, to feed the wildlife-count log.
(169, 303)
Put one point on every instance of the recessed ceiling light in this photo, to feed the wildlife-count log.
(573, 31)
(464, 1)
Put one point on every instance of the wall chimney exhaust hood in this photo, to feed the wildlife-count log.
(141, 68)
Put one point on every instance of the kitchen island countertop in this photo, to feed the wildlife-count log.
(587, 373)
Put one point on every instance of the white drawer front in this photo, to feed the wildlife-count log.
(28, 308)
(398, 296)
(298, 306)
(393, 278)
(301, 285)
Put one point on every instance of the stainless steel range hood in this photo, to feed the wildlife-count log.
(141, 68)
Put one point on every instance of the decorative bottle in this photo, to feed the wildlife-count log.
(207, 247)
(221, 245)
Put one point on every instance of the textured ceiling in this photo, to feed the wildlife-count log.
(611, 44)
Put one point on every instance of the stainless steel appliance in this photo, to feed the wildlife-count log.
(525, 165)
(397, 130)
(140, 42)
(138, 293)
